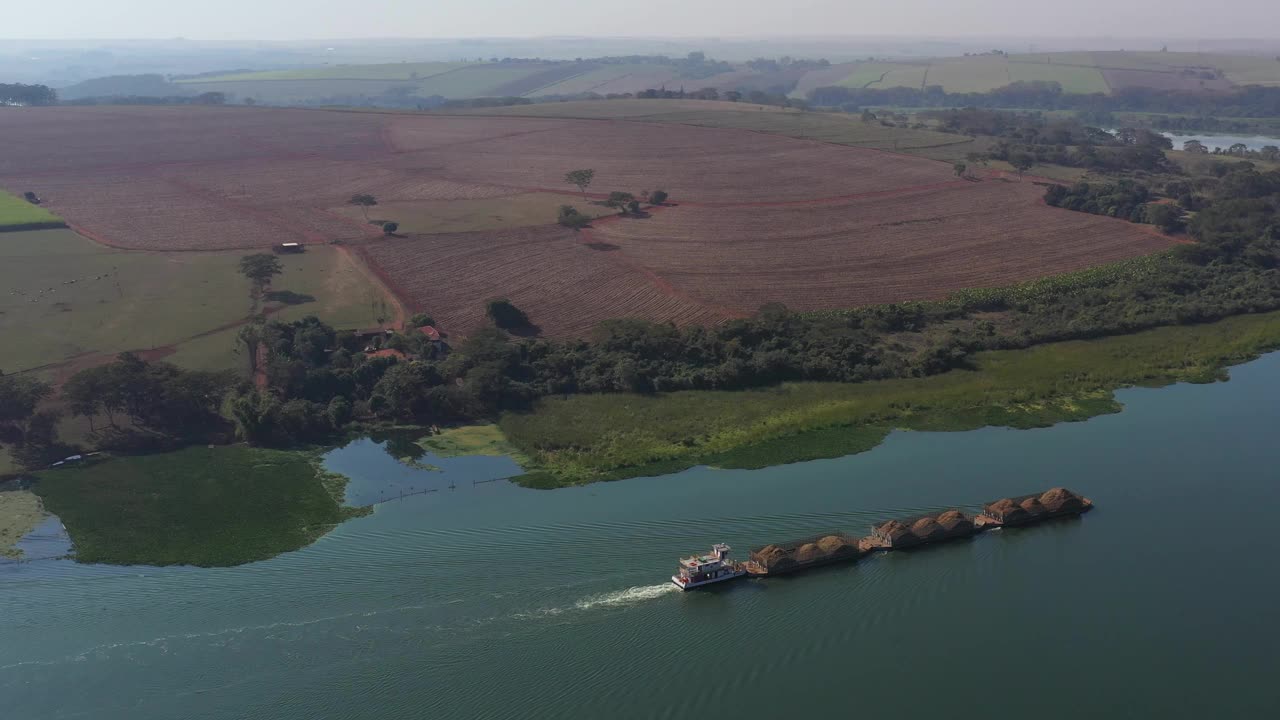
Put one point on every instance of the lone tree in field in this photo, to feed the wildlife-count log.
(1022, 163)
(260, 269)
(364, 202)
(581, 178)
(960, 169)
(505, 315)
(390, 228)
(1194, 146)
(620, 200)
(658, 197)
(571, 218)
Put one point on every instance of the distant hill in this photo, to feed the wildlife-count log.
(402, 83)
(124, 86)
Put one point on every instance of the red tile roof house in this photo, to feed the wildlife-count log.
(432, 334)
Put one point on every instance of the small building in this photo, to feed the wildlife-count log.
(290, 247)
(387, 353)
(432, 334)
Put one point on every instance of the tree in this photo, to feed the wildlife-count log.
(260, 268)
(633, 207)
(1194, 146)
(506, 315)
(364, 201)
(1270, 152)
(19, 398)
(1238, 149)
(1166, 217)
(1021, 162)
(571, 218)
(960, 169)
(658, 197)
(580, 178)
(390, 228)
(620, 200)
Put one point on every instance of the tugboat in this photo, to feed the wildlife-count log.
(702, 570)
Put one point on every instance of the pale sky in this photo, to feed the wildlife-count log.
(334, 19)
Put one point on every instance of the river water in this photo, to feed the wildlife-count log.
(482, 599)
(1253, 142)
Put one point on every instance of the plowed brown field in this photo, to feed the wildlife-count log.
(761, 217)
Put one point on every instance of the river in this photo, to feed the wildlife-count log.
(1253, 142)
(478, 599)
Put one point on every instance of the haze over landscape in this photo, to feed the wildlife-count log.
(317, 19)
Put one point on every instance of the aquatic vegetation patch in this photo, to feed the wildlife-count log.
(585, 438)
(470, 440)
(20, 513)
(210, 507)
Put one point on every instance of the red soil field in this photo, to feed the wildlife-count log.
(760, 218)
(566, 286)
(911, 245)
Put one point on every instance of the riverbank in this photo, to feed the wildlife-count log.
(20, 513)
(210, 507)
(587, 438)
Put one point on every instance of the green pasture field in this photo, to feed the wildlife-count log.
(131, 300)
(388, 71)
(474, 81)
(448, 216)
(1072, 79)
(210, 507)
(584, 438)
(978, 74)
(869, 74)
(17, 213)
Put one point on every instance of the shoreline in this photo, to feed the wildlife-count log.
(21, 512)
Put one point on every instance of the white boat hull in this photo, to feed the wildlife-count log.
(733, 575)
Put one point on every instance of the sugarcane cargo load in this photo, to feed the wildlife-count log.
(1028, 509)
(794, 555)
(921, 530)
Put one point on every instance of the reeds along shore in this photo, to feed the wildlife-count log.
(788, 557)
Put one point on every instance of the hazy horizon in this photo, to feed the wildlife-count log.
(314, 20)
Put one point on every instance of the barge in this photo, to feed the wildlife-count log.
(921, 530)
(805, 553)
(1029, 509)
(836, 547)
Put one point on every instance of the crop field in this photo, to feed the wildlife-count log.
(608, 79)
(17, 213)
(1072, 78)
(915, 244)
(66, 299)
(565, 285)
(980, 74)
(429, 217)
(388, 71)
(476, 196)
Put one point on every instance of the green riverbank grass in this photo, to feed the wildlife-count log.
(585, 438)
(210, 507)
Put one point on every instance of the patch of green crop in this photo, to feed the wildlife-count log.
(18, 214)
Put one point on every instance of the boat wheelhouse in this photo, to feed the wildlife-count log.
(713, 567)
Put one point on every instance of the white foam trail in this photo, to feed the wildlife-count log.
(626, 597)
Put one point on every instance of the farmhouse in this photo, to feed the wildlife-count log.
(290, 247)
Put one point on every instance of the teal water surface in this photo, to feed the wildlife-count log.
(479, 599)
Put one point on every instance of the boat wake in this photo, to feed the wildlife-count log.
(618, 598)
(626, 597)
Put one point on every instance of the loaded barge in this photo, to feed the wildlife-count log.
(835, 547)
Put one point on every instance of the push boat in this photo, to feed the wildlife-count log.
(699, 570)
